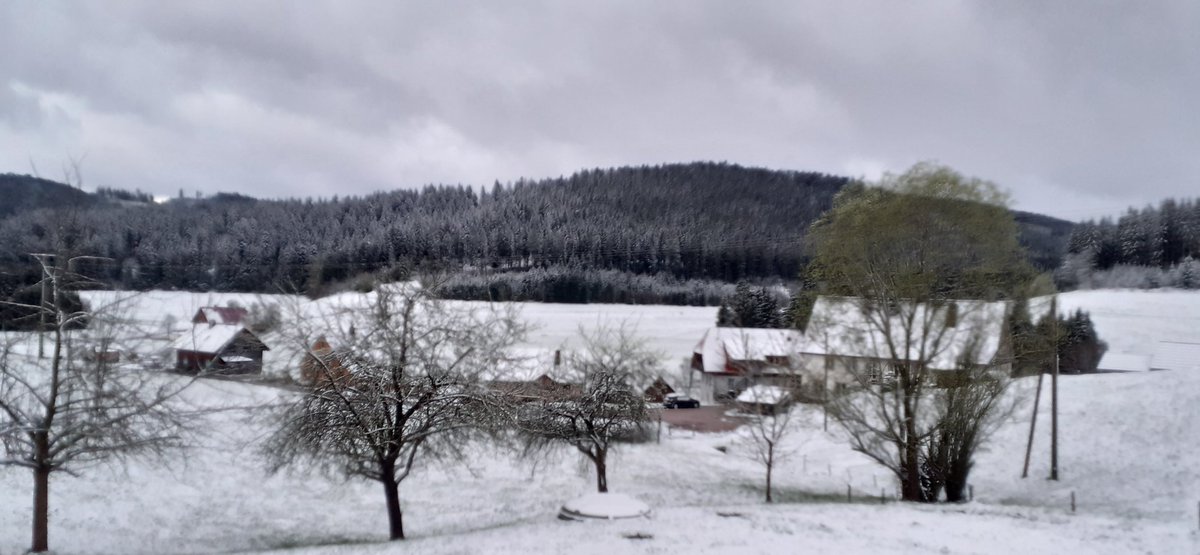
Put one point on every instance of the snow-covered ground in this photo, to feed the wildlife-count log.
(672, 331)
(1133, 321)
(1129, 452)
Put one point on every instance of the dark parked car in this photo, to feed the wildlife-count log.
(677, 401)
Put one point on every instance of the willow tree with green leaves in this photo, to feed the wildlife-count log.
(908, 246)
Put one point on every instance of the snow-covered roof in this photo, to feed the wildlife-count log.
(204, 338)
(1176, 355)
(1123, 362)
(236, 359)
(218, 315)
(762, 394)
(722, 345)
(842, 326)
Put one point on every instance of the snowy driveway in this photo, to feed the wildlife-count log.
(709, 418)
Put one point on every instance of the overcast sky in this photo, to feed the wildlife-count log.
(1077, 110)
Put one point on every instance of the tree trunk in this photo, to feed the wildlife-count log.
(912, 490)
(956, 481)
(41, 510)
(770, 466)
(391, 489)
(601, 470)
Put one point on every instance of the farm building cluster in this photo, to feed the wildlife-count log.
(219, 343)
(756, 368)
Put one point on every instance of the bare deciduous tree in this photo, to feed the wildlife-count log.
(606, 408)
(397, 380)
(74, 408)
(768, 403)
(908, 250)
(966, 413)
(766, 434)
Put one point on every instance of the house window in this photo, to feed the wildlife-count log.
(777, 360)
(879, 373)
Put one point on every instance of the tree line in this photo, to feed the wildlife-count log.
(703, 222)
(1146, 248)
(689, 221)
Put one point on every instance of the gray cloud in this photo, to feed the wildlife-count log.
(1079, 110)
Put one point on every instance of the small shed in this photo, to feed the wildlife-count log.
(656, 391)
(219, 348)
(764, 399)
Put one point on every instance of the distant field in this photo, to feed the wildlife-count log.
(1132, 321)
(1129, 452)
(671, 330)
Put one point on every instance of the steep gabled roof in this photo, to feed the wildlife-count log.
(210, 339)
(943, 335)
(720, 346)
(217, 315)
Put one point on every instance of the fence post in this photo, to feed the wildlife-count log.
(848, 498)
(970, 492)
(882, 497)
(1072, 501)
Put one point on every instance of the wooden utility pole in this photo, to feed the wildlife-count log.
(825, 397)
(1033, 423)
(1054, 402)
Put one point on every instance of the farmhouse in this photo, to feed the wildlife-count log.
(848, 341)
(219, 348)
(538, 376)
(728, 360)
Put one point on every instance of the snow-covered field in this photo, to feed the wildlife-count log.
(1129, 452)
(1133, 321)
(670, 330)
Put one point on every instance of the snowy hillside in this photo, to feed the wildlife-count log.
(1129, 452)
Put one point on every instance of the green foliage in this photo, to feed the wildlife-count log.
(750, 307)
(927, 234)
(1073, 338)
(1080, 348)
(800, 306)
(18, 312)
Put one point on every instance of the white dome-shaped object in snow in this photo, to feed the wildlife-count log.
(603, 506)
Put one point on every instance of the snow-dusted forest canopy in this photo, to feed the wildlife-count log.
(1147, 248)
(668, 234)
